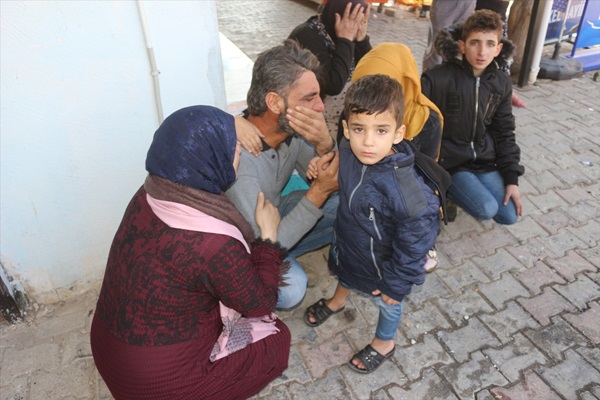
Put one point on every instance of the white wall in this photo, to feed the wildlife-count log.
(77, 115)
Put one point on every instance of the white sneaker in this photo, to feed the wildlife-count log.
(431, 260)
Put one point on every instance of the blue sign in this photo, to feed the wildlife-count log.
(587, 45)
(589, 31)
(558, 15)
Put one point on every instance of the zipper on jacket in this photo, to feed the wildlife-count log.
(474, 133)
(362, 175)
(335, 249)
(373, 219)
(375, 261)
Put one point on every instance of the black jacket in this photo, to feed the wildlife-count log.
(335, 63)
(479, 127)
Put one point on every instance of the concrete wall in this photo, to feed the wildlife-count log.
(77, 115)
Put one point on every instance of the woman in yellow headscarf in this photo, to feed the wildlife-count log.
(422, 118)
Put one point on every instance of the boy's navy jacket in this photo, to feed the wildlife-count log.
(387, 220)
(479, 126)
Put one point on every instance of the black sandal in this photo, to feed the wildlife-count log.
(370, 358)
(320, 313)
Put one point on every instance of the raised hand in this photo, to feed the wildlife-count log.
(347, 25)
(362, 29)
(311, 126)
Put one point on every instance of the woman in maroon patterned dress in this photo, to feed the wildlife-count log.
(182, 256)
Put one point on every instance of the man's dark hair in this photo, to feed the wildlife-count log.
(483, 21)
(375, 94)
(276, 70)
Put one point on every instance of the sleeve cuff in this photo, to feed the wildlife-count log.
(510, 178)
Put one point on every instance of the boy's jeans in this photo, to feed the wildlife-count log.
(481, 194)
(389, 319)
(320, 235)
(389, 315)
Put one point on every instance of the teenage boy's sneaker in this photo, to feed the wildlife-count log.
(431, 260)
(451, 210)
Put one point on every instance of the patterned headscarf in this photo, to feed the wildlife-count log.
(333, 7)
(195, 147)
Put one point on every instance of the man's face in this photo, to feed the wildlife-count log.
(304, 92)
(480, 49)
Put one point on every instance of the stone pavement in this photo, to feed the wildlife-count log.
(511, 313)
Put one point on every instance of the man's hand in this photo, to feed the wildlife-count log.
(248, 135)
(326, 182)
(312, 126)
(512, 192)
(348, 25)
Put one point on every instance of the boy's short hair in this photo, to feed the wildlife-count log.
(483, 21)
(375, 94)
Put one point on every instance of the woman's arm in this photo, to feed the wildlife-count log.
(247, 283)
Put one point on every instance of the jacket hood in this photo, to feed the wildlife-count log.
(446, 44)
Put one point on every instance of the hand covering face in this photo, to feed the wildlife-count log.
(195, 147)
(396, 61)
(333, 7)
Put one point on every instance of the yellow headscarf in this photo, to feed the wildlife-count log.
(396, 61)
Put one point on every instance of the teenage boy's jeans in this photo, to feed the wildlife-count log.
(320, 235)
(481, 194)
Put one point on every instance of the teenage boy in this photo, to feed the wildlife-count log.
(474, 95)
(388, 217)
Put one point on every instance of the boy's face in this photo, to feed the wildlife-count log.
(480, 49)
(372, 136)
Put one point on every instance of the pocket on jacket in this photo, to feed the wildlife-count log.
(453, 104)
(491, 107)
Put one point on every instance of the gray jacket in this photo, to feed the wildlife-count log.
(269, 173)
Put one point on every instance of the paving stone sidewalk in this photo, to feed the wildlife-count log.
(513, 312)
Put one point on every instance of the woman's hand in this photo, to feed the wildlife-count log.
(248, 135)
(267, 218)
(362, 28)
(347, 25)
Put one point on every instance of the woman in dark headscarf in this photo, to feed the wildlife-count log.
(339, 43)
(185, 309)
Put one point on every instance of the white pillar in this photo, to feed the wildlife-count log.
(541, 26)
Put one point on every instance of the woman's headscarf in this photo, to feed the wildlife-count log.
(396, 60)
(195, 147)
(332, 7)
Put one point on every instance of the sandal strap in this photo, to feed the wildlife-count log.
(371, 358)
(320, 311)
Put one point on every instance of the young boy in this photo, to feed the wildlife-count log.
(388, 217)
(474, 95)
